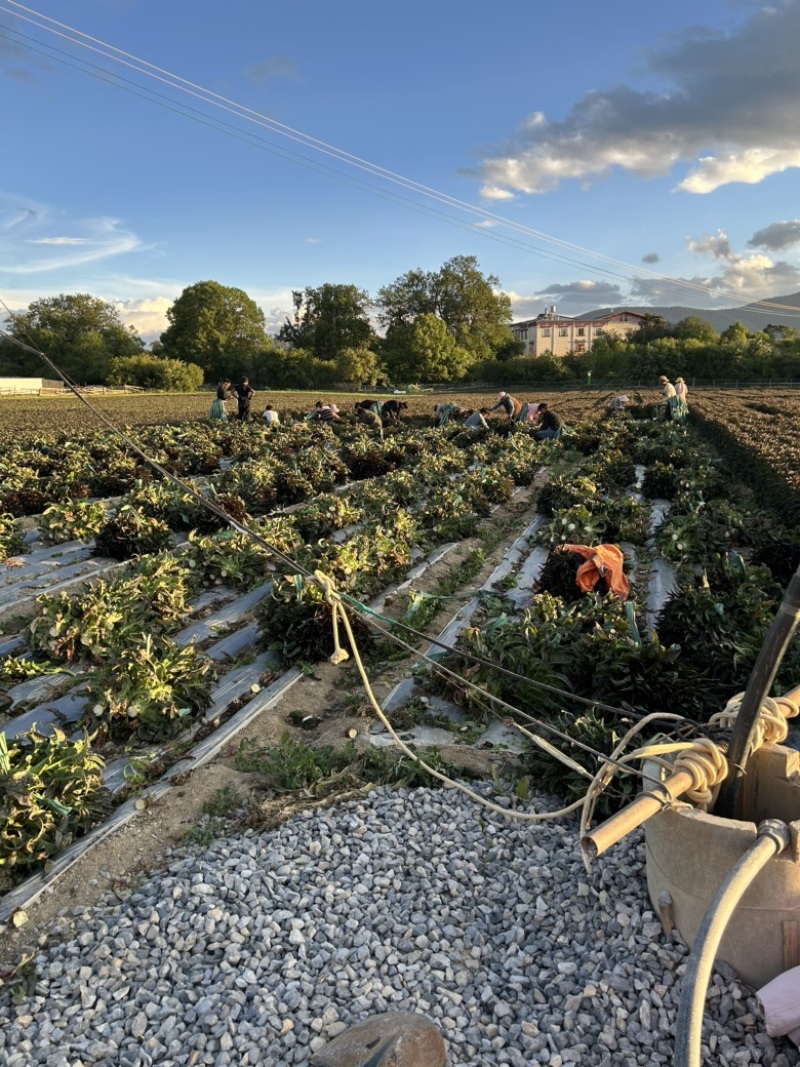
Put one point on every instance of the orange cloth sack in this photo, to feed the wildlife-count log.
(604, 561)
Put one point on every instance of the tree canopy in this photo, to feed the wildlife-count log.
(216, 326)
(474, 311)
(329, 320)
(79, 332)
(424, 351)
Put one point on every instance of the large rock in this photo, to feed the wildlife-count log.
(395, 1039)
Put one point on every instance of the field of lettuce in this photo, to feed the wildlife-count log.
(134, 624)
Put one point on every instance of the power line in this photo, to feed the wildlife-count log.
(141, 66)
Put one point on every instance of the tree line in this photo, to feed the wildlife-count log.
(449, 325)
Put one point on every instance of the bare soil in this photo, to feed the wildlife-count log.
(115, 866)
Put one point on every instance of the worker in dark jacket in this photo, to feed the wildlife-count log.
(244, 395)
(548, 424)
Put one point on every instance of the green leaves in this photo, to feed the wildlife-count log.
(150, 689)
(49, 788)
(74, 520)
(12, 542)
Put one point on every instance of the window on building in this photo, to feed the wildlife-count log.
(546, 331)
(563, 331)
(581, 331)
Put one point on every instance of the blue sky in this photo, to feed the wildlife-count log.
(586, 153)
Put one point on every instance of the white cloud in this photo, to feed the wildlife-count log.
(58, 240)
(727, 108)
(494, 192)
(28, 244)
(750, 167)
(148, 317)
(312, 240)
(733, 277)
(485, 224)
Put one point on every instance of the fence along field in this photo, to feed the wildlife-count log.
(199, 618)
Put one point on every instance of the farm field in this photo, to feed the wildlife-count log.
(128, 611)
(33, 415)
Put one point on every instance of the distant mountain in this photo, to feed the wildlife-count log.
(752, 316)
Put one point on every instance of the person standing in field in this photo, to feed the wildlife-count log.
(679, 407)
(218, 404)
(244, 395)
(668, 392)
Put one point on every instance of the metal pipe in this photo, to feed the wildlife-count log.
(773, 837)
(638, 811)
(646, 805)
(729, 801)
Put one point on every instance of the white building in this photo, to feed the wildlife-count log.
(559, 336)
(29, 386)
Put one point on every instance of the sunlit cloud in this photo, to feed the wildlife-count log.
(733, 277)
(571, 298)
(494, 192)
(148, 317)
(58, 240)
(727, 110)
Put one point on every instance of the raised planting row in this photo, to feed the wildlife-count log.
(142, 656)
(705, 585)
(161, 647)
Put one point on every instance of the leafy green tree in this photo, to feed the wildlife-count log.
(79, 332)
(359, 366)
(511, 349)
(216, 326)
(735, 334)
(695, 327)
(651, 328)
(153, 372)
(329, 320)
(470, 304)
(424, 351)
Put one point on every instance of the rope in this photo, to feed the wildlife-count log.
(771, 727)
(707, 766)
(332, 597)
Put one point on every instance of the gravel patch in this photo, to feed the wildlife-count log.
(259, 948)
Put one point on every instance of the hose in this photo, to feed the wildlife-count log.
(772, 838)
